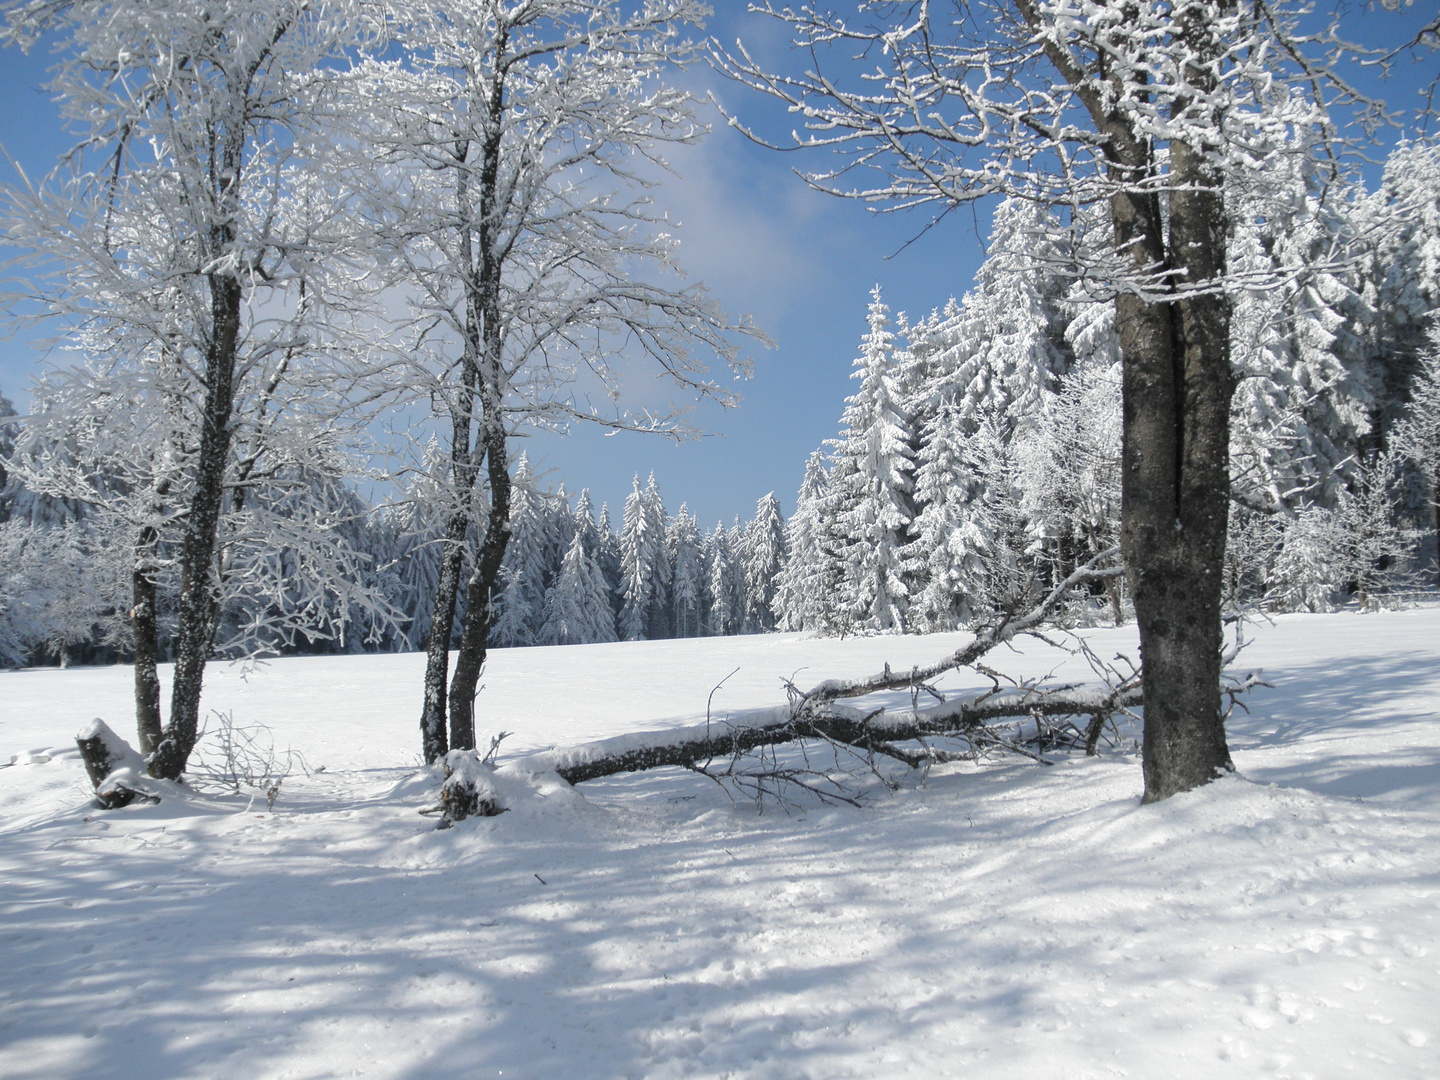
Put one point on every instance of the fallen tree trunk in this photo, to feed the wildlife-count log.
(816, 715)
(874, 732)
(714, 749)
(989, 637)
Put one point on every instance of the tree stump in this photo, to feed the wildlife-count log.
(112, 764)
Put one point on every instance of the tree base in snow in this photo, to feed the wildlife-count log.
(468, 790)
(113, 766)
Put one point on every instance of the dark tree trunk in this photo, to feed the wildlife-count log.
(482, 348)
(1176, 480)
(145, 628)
(199, 602)
(442, 615)
(486, 341)
(437, 642)
(475, 635)
(1176, 391)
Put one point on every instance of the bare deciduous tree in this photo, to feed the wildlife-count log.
(189, 241)
(508, 146)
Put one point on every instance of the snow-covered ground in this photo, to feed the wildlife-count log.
(998, 920)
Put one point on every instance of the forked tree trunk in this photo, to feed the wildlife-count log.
(479, 597)
(1177, 387)
(198, 601)
(463, 469)
(487, 343)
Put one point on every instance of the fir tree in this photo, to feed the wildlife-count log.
(869, 506)
(721, 618)
(763, 557)
(943, 544)
(639, 548)
(658, 618)
(803, 589)
(577, 607)
(687, 564)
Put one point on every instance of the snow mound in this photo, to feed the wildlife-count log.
(474, 787)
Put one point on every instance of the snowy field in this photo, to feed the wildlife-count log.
(998, 920)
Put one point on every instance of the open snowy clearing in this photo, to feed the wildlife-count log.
(1002, 919)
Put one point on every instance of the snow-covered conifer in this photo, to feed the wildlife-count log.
(992, 570)
(721, 616)
(639, 544)
(1069, 472)
(583, 522)
(521, 600)
(871, 477)
(608, 555)
(945, 542)
(577, 607)
(687, 573)
(805, 585)
(1304, 403)
(1328, 554)
(658, 620)
(764, 558)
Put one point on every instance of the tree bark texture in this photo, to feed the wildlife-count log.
(1173, 324)
(145, 630)
(1176, 391)
(199, 602)
(486, 338)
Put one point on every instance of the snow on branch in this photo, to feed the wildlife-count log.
(1006, 627)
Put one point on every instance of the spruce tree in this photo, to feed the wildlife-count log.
(687, 573)
(638, 544)
(720, 613)
(871, 478)
(658, 618)
(764, 557)
(803, 590)
(577, 607)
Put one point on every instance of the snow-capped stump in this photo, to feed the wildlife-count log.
(114, 766)
(469, 789)
(476, 787)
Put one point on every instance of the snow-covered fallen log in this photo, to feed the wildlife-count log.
(876, 731)
(716, 748)
(475, 786)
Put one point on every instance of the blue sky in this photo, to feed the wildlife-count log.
(801, 263)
